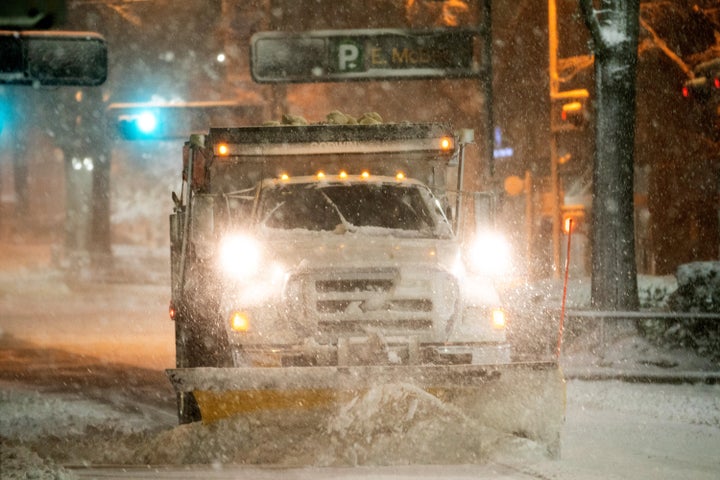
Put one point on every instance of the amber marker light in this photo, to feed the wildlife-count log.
(498, 318)
(320, 175)
(399, 176)
(446, 143)
(365, 174)
(342, 174)
(223, 149)
(239, 322)
(284, 177)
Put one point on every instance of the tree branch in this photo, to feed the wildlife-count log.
(660, 43)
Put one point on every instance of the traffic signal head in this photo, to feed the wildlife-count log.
(156, 121)
(569, 110)
(700, 87)
(705, 82)
(138, 125)
(573, 112)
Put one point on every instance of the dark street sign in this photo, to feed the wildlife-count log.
(52, 58)
(339, 55)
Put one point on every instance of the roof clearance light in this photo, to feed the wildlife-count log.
(342, 174)
(285, 177)
(446, 143)
(223, 149)
(400, 176)
(320, 175)
(365, 174)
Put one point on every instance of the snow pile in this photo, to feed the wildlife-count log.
(20, 463)
(698, 290)
(28, 415)
(404, 424)
(389, 425)
(71, 428)
(654, 291)
(287, 438)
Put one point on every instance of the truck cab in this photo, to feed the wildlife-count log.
(338, 269)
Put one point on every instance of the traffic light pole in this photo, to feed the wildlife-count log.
(486, 29)
(554, 176)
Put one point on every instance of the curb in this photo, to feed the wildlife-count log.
(630, 376)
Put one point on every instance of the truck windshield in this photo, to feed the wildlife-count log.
(325, 207)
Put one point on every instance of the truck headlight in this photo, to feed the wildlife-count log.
(489, 254)
(240, 256)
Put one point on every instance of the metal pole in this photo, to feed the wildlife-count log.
(458, 195)
(561, 327)
(488, 87)
(528, 188)
(554, 181)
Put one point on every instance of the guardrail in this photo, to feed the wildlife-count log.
(641, 315)
(614, 315)
(639, 375)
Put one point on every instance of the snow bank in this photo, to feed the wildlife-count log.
(698, 287)
(26, 414)
(404, 424)
(21, 463)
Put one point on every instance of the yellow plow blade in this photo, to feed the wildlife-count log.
(216, 405)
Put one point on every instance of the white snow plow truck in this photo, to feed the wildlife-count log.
(311, 263)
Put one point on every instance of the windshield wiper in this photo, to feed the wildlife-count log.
(347, 226)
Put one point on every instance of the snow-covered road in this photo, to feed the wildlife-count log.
(86, 416)
(82, 386)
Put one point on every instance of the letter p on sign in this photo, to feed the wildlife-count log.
(348, 57)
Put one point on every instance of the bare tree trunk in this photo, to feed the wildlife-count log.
(614, 30)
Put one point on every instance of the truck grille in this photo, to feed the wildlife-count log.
(359, 301)
(354, 285)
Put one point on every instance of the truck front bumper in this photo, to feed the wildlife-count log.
(371, 351)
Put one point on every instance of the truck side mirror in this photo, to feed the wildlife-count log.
(202, 225)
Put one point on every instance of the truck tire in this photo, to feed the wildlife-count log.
(199, 342)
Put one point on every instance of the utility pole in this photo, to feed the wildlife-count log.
(487, 79)
(554, 176)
